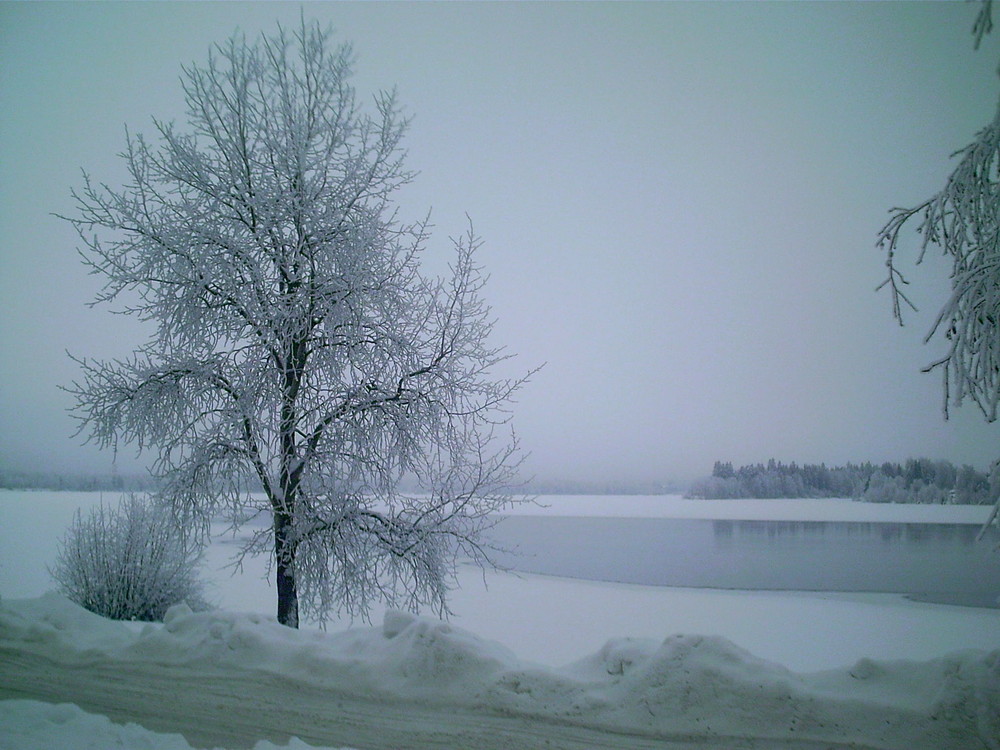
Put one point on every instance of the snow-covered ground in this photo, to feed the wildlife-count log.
(34, 725)
(663, 667)
(220, 678)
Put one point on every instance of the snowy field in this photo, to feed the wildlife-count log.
(667, 667)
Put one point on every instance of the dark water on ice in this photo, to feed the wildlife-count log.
(931, 562)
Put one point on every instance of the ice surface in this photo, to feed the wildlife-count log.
(780, 509)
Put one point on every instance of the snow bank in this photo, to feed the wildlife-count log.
(440, 681)
(30, 725)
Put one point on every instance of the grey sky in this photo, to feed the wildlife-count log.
(679, 203)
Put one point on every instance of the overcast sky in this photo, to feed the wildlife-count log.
(679, 204)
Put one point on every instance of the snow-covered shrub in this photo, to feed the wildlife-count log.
(128, 563)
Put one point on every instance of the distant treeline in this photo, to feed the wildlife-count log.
(584, 487)
(13, 479)
(918, 480)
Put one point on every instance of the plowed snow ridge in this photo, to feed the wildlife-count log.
(231, 680)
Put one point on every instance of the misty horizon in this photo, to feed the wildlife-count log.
(679, 204)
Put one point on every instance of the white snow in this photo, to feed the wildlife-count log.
(418, 682)
(554, 620)
(64, 726)
(666, 664)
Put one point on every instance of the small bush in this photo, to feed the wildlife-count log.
(129, 563)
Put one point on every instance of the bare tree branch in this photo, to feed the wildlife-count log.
(963, 221)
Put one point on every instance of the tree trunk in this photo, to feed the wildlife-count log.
(291, 367)
(989, 521)
(284, 560)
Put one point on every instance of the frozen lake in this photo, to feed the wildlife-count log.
(555, 620)
(934, 562)
(925, 551)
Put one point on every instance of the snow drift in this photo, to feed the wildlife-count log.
(234, 679)
(30, 725)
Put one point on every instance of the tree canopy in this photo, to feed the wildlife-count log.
(297, 343)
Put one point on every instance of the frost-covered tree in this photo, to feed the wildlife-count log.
(298, 346)
(963, 221)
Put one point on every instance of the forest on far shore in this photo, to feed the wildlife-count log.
(917, 480)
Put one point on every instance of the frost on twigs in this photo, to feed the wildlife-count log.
(128, 563)
(299, 348)
(963, 220)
